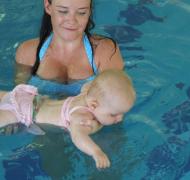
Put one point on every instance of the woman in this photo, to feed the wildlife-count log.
(66, 55)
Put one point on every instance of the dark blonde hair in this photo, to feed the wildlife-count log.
(112, 82)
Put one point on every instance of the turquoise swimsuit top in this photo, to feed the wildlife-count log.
(56, 89)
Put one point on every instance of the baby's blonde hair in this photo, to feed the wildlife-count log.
(112, 84)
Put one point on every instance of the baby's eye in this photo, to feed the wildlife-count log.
(113, 115)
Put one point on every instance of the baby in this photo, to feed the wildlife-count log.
(101, 102)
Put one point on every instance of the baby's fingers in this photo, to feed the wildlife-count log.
(103, 163)
(85, 122)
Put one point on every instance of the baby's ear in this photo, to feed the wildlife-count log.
(92, 103)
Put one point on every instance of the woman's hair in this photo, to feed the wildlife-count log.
(46, 29)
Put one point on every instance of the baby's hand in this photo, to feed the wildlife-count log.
(101, 159)
(86, 122)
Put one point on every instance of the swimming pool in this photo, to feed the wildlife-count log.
(153, 142)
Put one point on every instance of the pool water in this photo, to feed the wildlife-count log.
(153, 141)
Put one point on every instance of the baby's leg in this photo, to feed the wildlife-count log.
(7, 117)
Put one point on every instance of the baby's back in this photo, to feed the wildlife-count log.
(50, 112)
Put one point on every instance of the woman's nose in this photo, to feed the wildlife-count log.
(71, 18)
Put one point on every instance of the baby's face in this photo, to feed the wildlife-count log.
(110, 113)
(107, 117)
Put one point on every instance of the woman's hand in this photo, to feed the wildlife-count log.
(92, 124)
(87, 122)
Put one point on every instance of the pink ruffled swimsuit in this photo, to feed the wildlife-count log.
(66, 112)
(20, 102)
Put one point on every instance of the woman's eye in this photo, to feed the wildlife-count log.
(63, 12)
(81, 13)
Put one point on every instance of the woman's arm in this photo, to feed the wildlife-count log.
(22, 73)
(108, 56)
(2, 93)
(6, 118)
(25, 59)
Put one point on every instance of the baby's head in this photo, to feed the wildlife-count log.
(110, 95)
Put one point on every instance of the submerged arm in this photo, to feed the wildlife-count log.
(82, 140)
(22, 73)
(2, 93)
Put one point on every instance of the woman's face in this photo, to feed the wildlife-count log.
(69, 17)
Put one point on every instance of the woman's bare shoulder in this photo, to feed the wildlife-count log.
(106, 52)
(26, 52)
(103, 41)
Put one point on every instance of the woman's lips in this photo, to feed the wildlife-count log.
(70, 29)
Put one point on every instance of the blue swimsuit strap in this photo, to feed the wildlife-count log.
(45, 47)
(87, 46)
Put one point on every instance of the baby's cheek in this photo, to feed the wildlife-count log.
(107, 121)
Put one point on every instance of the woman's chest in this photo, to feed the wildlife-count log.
(64, 70)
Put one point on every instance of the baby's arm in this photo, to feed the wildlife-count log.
(80, 137)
